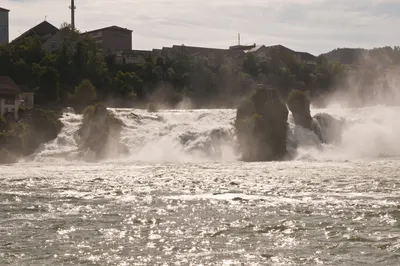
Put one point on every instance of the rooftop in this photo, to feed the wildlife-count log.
(242, 47)
(25, 89)
(306, 56)
(109, 28)
(279, 46)
(197, 49)
(41, 29)
(4, 10)
(256, 48)
(8, 86)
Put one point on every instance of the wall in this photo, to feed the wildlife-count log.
(262, 52)
(97, 36)
(4, 27)
(52, 44)
(131, 57)
(114, 40)
(11, 106)
(28, 98)
(1, 107)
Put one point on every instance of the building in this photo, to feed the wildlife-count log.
(156, 52)
(306, 58)
(197, 51)
(213, 54)
(53, 43)
(111, 39)
(27, 96)
(43, 30)
(4, 26)
(260, 51)
(9, 97)
(131, 57)
(49, 35)
(242, 47)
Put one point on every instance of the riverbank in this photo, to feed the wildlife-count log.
(23, 137)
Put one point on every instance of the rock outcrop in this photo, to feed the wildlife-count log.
(326, 127)
(299, 106)
(100, 132)
(261, 126)
(22, 138)
(330, 128)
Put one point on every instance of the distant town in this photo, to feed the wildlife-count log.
(137, 74)
(117, 40)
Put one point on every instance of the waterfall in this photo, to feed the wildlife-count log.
(208, 134)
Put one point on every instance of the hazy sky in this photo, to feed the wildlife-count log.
(315, 26)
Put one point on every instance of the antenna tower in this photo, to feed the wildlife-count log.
(72, 7)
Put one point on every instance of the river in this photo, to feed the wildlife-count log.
(183, 198)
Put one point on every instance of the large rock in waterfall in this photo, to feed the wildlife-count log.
(261, 126)
(21, 138)
(299, 106)
(326, 127)
(100, 132)
(330, 128)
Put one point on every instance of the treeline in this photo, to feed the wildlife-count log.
(356, 56)
(79, 74)
(371, 76)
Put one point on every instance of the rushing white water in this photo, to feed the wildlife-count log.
(167, 136)
(198, 135)
(183, 198)
(370, 132)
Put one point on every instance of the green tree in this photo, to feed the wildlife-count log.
(48, 84)
(250, 65)
(127, 84)
(85, 92)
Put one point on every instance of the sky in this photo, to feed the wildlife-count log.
(315, 26)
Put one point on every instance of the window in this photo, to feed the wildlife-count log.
(53, 45)
(9, 101)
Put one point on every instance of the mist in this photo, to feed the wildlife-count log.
(372, 79)
(184, 130)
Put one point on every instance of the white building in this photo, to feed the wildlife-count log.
(26, 96)
(10, 100)
(4, 26)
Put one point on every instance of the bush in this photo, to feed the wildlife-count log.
(85, 93)
(21, 111)
(298, 102)
(3, 123)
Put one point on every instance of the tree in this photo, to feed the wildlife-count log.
(85, 93)
(250, 65)
(48, 84)
(127, 84)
